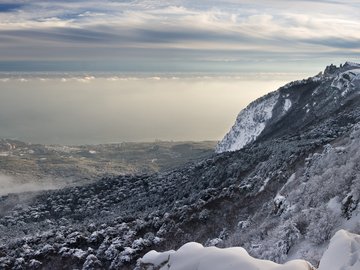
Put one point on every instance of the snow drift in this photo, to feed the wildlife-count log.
(343, 253)
(195, 256)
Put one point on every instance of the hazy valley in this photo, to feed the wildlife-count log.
(28, 167)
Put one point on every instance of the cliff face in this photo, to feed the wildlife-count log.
(294, 106)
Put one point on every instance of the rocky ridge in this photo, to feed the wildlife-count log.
(284, 110)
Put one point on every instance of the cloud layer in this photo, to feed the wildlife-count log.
(144, 34)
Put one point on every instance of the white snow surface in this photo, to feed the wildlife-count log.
(266, 181)
(287, 105)
(343, 252)
(194, 256)
(156, 258)
(249, 124)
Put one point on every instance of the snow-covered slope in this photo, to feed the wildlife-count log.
(297, 103)
(249, 123)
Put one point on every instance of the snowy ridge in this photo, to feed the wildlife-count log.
(254, 119)
(249, 124)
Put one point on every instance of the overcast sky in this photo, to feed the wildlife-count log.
(178, 35)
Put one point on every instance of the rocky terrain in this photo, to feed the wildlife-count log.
(280, 193)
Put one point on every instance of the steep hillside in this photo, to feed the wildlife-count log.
(281, 196)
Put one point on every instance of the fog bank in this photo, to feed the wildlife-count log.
(11, 185)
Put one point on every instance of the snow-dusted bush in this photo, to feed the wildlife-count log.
(321, 226)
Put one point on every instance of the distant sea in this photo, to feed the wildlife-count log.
(93, 108)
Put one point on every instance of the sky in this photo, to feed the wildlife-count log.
(178, 35)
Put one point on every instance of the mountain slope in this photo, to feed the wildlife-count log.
(281, 196)
(294, 106)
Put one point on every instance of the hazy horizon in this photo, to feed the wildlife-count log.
(96, 108)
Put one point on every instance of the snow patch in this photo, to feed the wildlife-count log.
(291, 178)
(287, 105)
(266, 181)
(335, 205)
